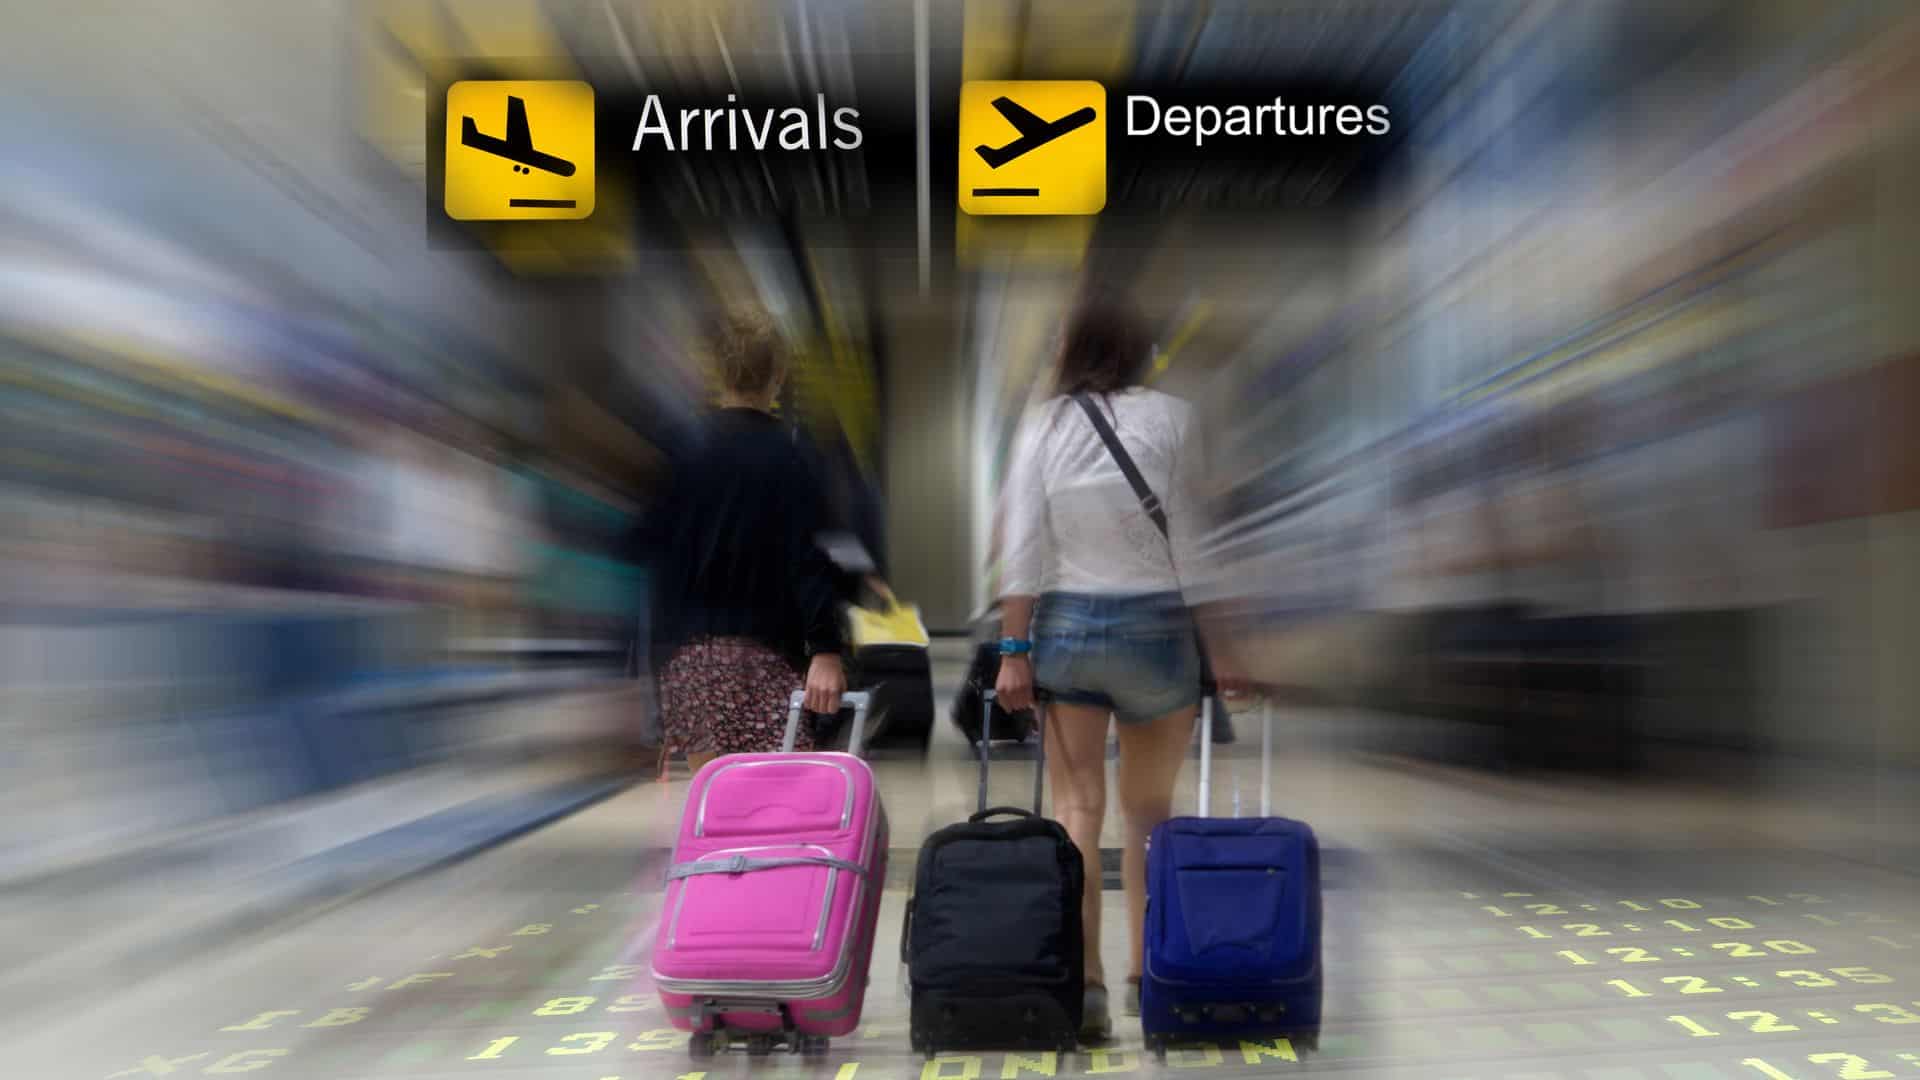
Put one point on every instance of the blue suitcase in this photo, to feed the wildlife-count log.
(1233, 922)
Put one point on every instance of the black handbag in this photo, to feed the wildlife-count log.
(1223, 725)
(982, 674)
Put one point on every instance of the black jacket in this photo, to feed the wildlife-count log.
(729, 546)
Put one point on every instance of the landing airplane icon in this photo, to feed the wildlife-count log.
(517, 146)
(1034, 132)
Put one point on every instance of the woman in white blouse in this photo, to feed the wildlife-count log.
(1092, 606)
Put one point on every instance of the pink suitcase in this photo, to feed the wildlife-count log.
(766, 933)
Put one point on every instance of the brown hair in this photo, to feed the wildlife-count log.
(748, 354)
(1106, 349)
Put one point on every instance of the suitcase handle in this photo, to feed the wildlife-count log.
(996, 811)
(859, 700)
(1206, 758)
(986, 749)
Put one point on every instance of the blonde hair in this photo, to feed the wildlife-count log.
(749, 357)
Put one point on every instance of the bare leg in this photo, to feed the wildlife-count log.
(1077, 768)
(1150, 758)
(695, 761)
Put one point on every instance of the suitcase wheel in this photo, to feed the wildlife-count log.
(811, 1045)
(704, 1044)
(759, 1045)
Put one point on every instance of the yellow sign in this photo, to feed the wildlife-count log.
(1033, 147)
(519, 151)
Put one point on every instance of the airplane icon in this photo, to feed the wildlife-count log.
(517, 146)
(1034, 132)
(1011, 178)
(475, 187)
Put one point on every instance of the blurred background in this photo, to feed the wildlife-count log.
(1567, 430)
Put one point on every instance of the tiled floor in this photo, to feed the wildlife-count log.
(1478, 926)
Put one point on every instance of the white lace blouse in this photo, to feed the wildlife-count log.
(1074, 525)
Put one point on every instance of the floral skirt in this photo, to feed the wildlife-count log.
(727, 695)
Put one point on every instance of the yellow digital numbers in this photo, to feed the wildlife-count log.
(1888, 1014)
(1722, 922)
(340, 1017)
(574, 1006)
(233, 1062)
(262, 1021)
(1862, 975)
(155, 1065)
(660, 1039)
(420, 979)
(495, 1048)
(1852, 1067)
(1804, 978)
(1762, 1022)
(246, 1061)
(1634, 954)
(1674, 931)
(565, 1006)
(587, 1042)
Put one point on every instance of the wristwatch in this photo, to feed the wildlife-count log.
(1014, 646)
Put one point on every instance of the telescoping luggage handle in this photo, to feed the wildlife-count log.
(1206, 757)
(860, 700)
(986, 754)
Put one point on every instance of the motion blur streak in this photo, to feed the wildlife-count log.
(1561, 447)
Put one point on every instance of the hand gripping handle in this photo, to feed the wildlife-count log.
(858, 700)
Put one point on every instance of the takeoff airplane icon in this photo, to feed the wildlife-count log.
(1034, 132)
(517, 146)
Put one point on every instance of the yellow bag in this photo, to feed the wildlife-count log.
(898, 625)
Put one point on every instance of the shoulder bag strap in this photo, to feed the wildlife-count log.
(1148, 500)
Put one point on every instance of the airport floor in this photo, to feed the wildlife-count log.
(1478, 926)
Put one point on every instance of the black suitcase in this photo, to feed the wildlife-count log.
(973, 702)
(900, 678)
(992, 942)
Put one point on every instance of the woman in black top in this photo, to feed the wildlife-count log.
(743, 597)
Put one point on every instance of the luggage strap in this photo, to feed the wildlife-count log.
(740, 864)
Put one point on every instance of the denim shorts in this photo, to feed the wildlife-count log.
(1132, 654)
